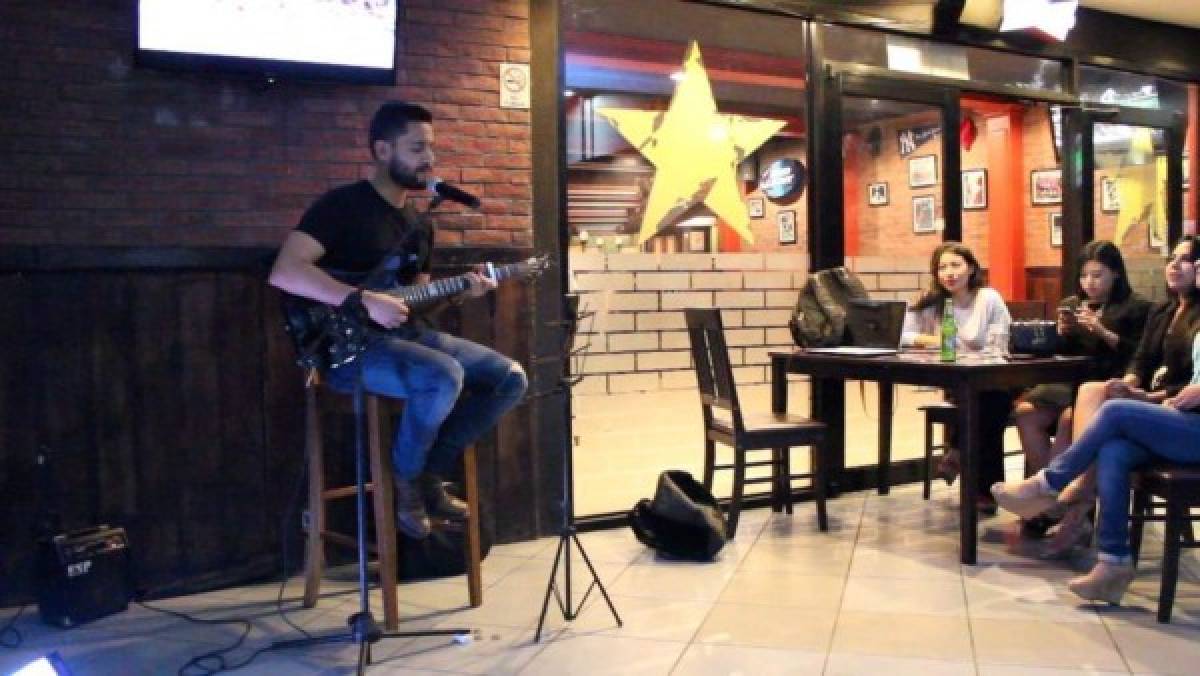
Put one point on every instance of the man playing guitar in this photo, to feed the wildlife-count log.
(455, 390)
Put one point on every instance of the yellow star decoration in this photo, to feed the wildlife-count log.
(695, 151)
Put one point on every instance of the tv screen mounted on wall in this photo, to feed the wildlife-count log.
(330, 40)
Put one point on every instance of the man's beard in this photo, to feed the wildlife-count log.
(405, 177)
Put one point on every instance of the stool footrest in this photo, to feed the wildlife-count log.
(344, 492)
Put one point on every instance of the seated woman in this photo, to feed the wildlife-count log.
(1103, 320)
(1159, 368)
(977, 310)
(1125, 434)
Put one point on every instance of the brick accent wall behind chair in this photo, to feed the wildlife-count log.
(99, 151)
(637, 339)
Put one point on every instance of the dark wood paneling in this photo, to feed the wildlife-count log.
(1044, 284)
(173, 408)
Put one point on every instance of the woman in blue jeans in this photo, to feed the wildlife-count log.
(1124, 435)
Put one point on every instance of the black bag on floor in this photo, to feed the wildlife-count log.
(682, 521)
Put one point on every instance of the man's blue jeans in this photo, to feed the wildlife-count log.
(454, 391)
(1124, 435)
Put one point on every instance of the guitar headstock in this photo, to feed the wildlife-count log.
(534, 266)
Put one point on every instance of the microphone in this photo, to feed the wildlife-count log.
(452, 193)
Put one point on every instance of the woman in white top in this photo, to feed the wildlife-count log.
(977, 311)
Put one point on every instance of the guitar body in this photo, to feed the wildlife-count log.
(330, 337)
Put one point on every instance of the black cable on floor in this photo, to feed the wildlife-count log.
(10, 630)
(215, 661)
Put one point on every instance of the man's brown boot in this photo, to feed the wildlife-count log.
(411, 518)
(438, 502)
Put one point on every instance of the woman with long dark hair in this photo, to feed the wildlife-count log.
(978, 310)
(1103, 320)
(1160, 367)
(1126, 433)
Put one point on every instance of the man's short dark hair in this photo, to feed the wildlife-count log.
(391, 120)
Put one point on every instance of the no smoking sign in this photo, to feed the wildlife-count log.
(514, 85)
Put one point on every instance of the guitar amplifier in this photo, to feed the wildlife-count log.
(83, 575)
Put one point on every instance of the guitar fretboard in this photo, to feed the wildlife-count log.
(419, 294)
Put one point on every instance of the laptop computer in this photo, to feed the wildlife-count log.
(874, 323)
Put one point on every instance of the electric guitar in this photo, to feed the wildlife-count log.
(329, 337)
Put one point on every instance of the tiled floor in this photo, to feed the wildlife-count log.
(624, 440)
(881, 593)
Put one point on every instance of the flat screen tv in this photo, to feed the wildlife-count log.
(323, 40)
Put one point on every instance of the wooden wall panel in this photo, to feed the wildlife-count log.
(173, 407)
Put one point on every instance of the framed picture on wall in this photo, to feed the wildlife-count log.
(756, 207)
(1045, 186)
(924, 208)
(877, 194)
(1157, 241)
(974, 189)
(786, 220)
(922, 171)
(1110, 199)
(1056, 230)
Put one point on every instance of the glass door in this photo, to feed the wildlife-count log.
(901, 197)
(1131, 189)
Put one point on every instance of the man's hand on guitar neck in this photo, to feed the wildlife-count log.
(478, 284)
(386, 311)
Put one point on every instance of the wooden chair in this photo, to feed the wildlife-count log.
(1026, 309)
(945, 414)
(1179, 488)
(725, 422)
(382, 493)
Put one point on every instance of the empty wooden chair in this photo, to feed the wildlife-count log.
(726, 423)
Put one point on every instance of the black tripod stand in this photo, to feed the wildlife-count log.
(567, 534)
(364, 630)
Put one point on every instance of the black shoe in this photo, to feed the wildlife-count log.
(1035, 528)
(986, 505)
(438, 502)
(948, 468)
(411, 518)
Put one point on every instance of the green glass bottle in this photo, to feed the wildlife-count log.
(949, 332)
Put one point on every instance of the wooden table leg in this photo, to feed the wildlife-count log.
(829, 407)
(967, 401)
(779, 393)
(885, 436)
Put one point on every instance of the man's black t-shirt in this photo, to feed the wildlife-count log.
(358, 227)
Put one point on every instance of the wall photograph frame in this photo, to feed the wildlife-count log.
(1045, 186)
(974, 189)
(1056, 234)
(1110, 198)
(924, 207)
(877, 194)
(757, 207)
(922, 171)
(786, 220)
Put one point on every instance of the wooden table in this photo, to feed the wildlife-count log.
(964, 379)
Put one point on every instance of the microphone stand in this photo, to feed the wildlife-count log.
(568, 533)
(364, 629)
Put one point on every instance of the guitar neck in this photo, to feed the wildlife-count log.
(439, 289)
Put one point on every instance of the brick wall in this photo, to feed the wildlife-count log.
(99, 151)
(637, 339)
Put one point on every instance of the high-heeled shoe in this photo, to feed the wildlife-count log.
(1075, 530)
(1026, 498)
(1107, 582)
(948, 467)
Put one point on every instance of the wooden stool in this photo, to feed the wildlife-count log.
(1179, 488)
(382, 491)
